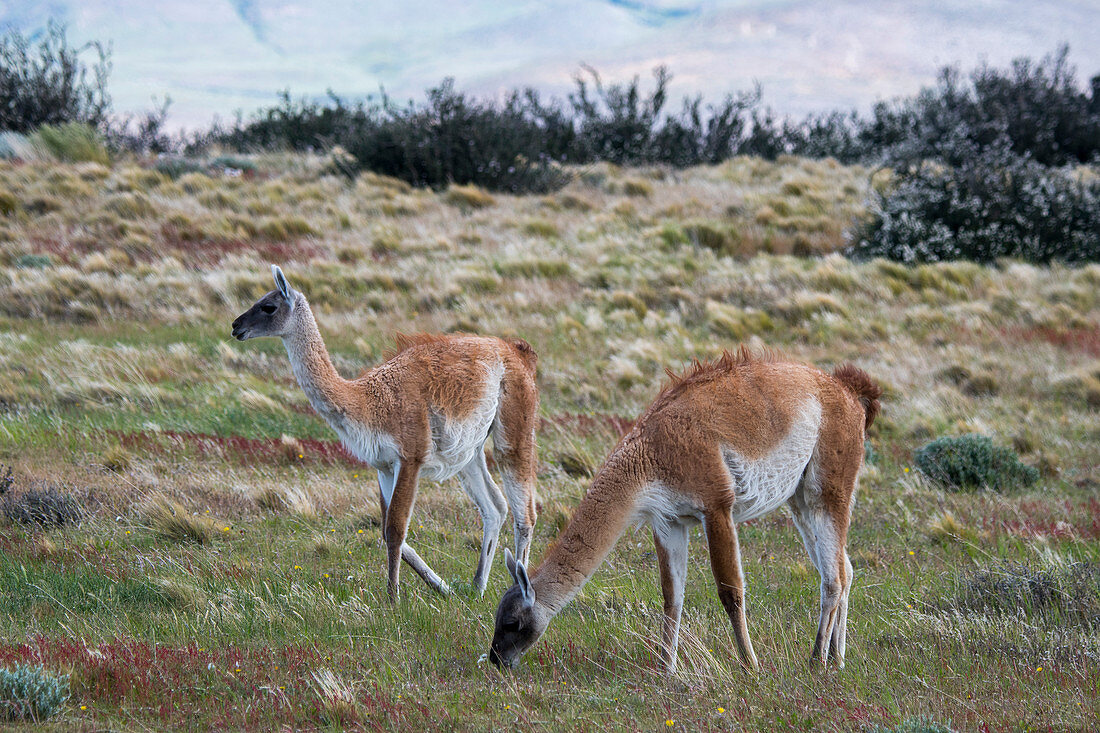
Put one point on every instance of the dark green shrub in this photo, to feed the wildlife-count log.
(1036, 109)
(31, 693)
(621, 124)
(33, 261)
(969, 462)
(455, 139)
(174, 166)
(993, 204)
(43, 505)
(299, 125)
(50, 83)
(510, 146)
(234, 162)
(1033, 110)
(144, 133)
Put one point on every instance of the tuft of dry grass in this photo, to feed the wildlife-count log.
(170, 521)
(469, 197)
(182, 594)
(322, 546)
(945, 528)
(117, 459)
(286, 499)
(541, 228)
(291, 449)
(339, 707)
(637, 187)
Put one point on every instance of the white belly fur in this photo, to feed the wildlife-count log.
(760, 485)
(763, 484)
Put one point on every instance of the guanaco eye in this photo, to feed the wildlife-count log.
(510, 626)
(269, 309)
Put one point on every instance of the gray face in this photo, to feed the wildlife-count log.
(518, 627)
(268, 316)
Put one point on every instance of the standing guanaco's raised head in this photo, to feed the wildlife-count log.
(272, 315)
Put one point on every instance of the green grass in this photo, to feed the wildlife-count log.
(120, 386)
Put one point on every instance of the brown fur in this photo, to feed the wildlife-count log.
(741, 402)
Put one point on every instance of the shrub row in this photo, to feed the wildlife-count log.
(980, 161)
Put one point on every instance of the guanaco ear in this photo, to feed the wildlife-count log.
(519, 574)
(510, 563)
(280, 282)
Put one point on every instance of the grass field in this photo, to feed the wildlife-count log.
(227, 570)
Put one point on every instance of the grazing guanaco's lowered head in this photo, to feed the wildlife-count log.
(271, 315)
(520, 622)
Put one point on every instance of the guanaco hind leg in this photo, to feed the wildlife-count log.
(671, 543)
(483, 491)
(840, 629)
(825, 538)
(514, 448)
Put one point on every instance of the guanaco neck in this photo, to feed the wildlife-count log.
(599, 521)
(312, 366)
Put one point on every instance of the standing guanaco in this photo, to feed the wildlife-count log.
(428, 409)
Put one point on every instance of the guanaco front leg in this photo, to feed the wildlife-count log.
(672, 555)
(397, 492)
(725, 562)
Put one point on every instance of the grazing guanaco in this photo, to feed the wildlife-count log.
(723, 443)
(428, 409)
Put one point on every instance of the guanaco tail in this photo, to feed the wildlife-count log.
(723, 443)
(430, 408)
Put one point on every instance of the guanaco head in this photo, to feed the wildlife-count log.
(519, 622)
(271, 315)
